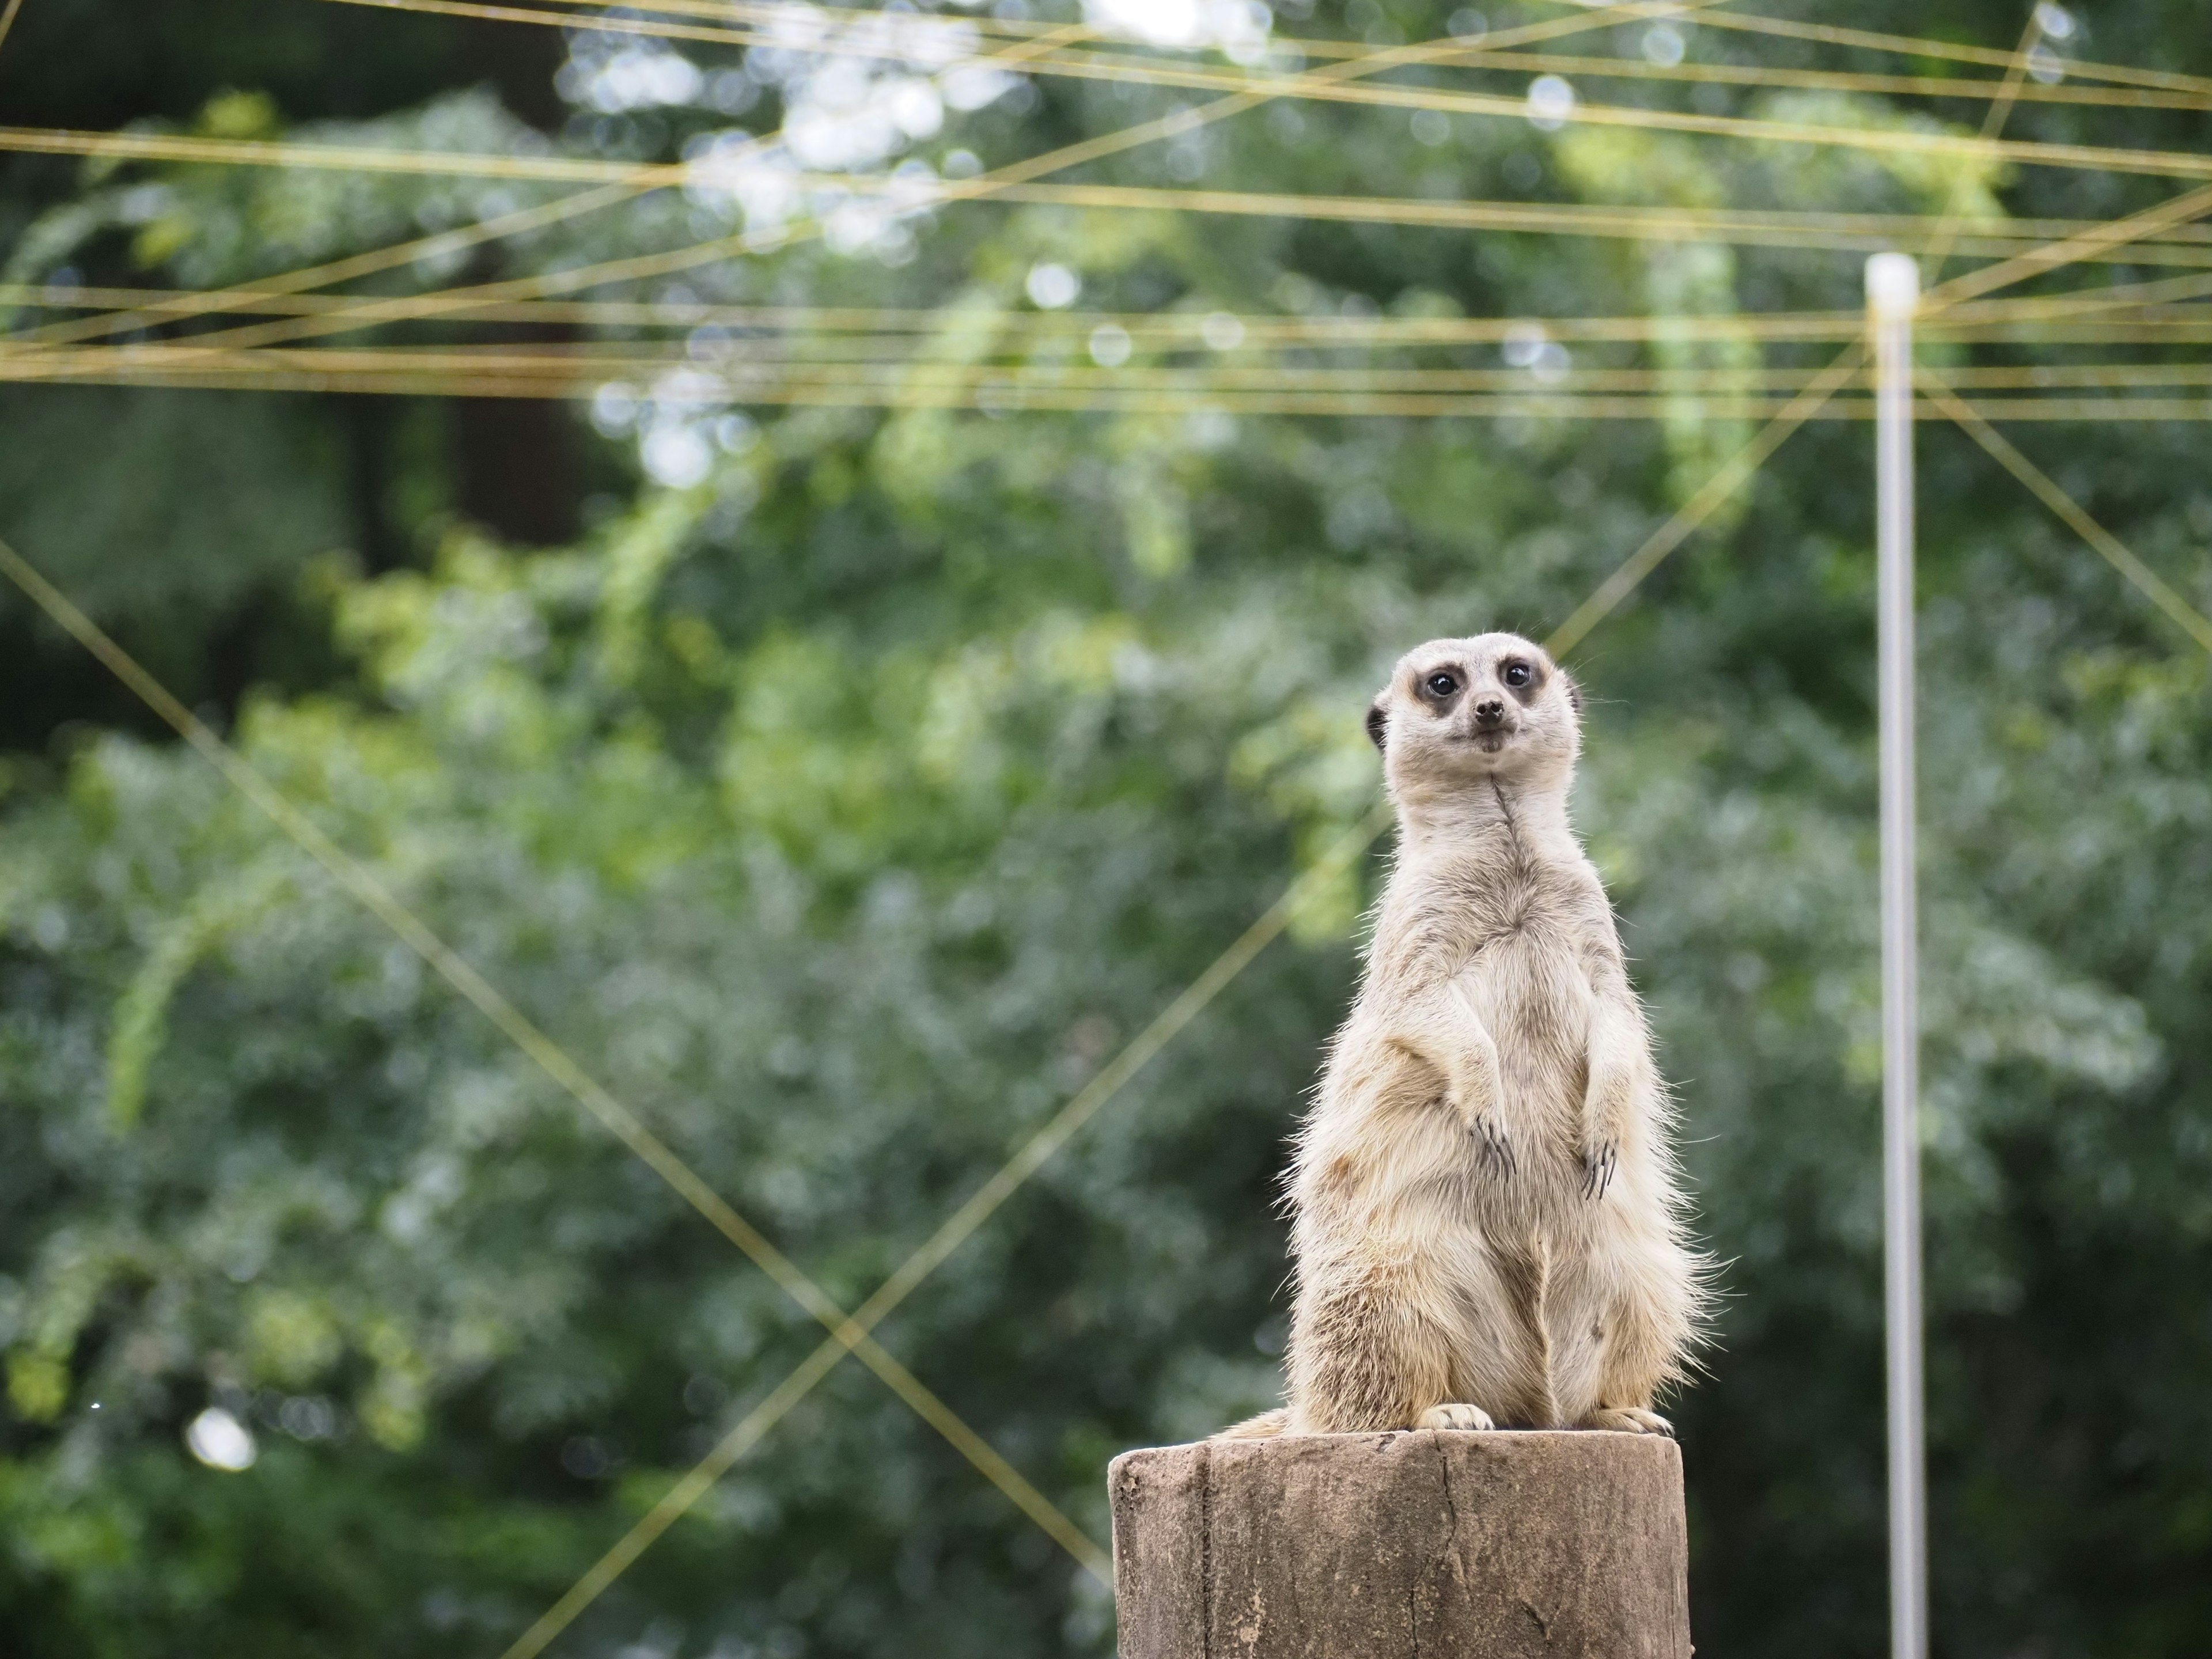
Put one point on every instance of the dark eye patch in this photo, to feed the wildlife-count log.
(1520, 678)
(1440, 683)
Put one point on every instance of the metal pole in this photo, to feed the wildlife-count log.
(1892, 284)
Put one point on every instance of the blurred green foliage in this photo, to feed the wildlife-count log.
(843, 787)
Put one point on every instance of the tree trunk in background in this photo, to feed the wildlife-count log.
(516, 463)
(516, 460)
(1440, 1545)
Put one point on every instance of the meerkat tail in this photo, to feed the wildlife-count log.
(1526, 1274)
(1541, 1328)
(1257, 1428)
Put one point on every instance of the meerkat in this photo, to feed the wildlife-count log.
(1489, 1228)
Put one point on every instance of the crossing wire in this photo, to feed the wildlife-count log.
(444, 244)
(881, 326)
(2115, 552)
(1793, 229)
(1003, 183)
(1430, 52)
(1852, 232)
(1404, 406)
(361, 158)
(816, 16)
(547, 1055)
(564, 373)
(1069, 156)
(1894, 86)
(874, 44)
(1918, 46)
(1182, 121)
(811, 29)
(339, 315)
(1318, 393)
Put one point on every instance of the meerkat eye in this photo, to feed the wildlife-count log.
(1442, 686)
(1516, 674)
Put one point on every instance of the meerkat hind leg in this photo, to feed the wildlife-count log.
(1638, 1342)
(1453, 1416)
(1371, 1347)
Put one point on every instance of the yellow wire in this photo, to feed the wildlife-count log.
(1868, 233)
(2088, 244)
(348, 158)
(741, 374)
(1012, 399)
(1896, 86)
(441, 245)
(1993, 121)
(2115, 552)
(1142, 71)
(154, 304)
(1848, 232)
(549, 1057)
(463, 237)
(1468, 52)
(813, 18)
(191, 150)
(560, 372)
(447, 242)
(1433, 52)
(643, 266)
(2094, 241)
(904, 324)
(239, 152)
(1918, 46)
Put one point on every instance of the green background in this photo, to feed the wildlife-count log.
(844, 809)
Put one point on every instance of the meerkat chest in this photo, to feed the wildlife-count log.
(1522, 975)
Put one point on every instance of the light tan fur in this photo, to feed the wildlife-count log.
(1489, 1227)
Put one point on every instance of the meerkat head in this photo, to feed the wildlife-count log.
(1460, 714)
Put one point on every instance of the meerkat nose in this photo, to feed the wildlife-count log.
(1489, 711)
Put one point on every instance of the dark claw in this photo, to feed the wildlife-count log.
(1496, 1151)
(1598, 1172)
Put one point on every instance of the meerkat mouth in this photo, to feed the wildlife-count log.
(1491, 741)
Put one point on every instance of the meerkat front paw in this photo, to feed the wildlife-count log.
(1630, 1419)
(1491, 1147)
(1454, 1416)
(1599, 1165)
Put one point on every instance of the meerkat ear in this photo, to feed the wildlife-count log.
(1574, 692)
(1378, 720)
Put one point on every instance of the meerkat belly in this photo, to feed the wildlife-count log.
(1529, 992)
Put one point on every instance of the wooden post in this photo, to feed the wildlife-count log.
(1423, 1545)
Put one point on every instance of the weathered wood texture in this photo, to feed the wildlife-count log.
(1427, 1545)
